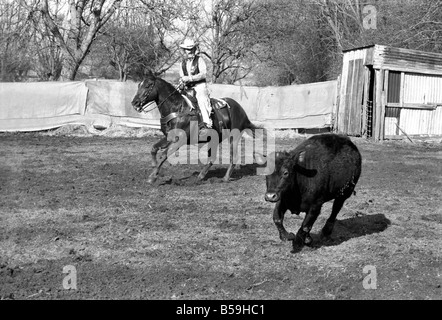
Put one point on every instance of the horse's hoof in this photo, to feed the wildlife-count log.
(291, 236)
(308, 240)
(287, 236)
(325, 237)
(296, 246)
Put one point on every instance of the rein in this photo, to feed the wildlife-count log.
(158, 105)
(170, 116)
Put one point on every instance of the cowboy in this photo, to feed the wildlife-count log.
(193, 75)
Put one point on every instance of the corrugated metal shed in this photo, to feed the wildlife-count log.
(424, 89)
(388, 91)
(407, 60)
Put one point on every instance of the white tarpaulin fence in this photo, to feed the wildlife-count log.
(37, 106)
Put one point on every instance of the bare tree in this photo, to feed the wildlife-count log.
(14, 41)
(225, 33)
(145, 35)
(289, 44)
(414, 24)
(417, 24)
(77, 30)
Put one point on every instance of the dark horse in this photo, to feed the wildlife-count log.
(177, 114)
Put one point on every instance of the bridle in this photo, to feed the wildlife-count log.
(141, 109)
(166, 119)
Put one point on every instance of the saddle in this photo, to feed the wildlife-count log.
(220, 114)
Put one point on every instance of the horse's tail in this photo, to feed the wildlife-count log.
(258, 131)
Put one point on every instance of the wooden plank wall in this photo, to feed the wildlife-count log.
(353, 103)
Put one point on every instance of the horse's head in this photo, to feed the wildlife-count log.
(147, 92)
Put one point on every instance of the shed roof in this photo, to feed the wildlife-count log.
(400, 59)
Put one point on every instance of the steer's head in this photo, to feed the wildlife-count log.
(287, 165)
(281, 178)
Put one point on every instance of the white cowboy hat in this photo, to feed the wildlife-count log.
(188, 44)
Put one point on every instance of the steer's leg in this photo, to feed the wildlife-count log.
(303, 234)
(328, 227)
(278, 218)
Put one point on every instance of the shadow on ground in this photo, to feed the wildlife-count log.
(215, 175)
(350, 228)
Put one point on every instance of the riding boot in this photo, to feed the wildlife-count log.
(204, 129)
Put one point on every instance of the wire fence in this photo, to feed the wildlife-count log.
(369, 117)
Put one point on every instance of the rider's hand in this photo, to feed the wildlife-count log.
(180, 85)
(185, 79)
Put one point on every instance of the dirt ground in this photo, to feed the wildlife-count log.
(82, 200)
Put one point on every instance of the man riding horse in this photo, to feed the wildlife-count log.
(230, 120)
(193, 75)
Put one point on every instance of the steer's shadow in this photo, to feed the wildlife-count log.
(350, 228)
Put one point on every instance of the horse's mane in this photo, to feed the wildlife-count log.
(170, 86)
(173, 95)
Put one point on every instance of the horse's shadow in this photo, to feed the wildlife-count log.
(215, 175)
(350, 228)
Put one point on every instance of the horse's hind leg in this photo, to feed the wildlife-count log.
(157, 146)
(233, 157)
(205, 170)
(211, 158)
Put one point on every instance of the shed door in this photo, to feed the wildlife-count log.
(354, 94)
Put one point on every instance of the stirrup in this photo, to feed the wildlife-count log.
(203, 129)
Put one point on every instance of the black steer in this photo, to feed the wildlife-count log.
(322, 168)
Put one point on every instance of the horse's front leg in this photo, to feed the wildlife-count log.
(170, 149)
(154, 175)
(157, 146)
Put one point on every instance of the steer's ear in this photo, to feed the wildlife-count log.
(299, 166)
